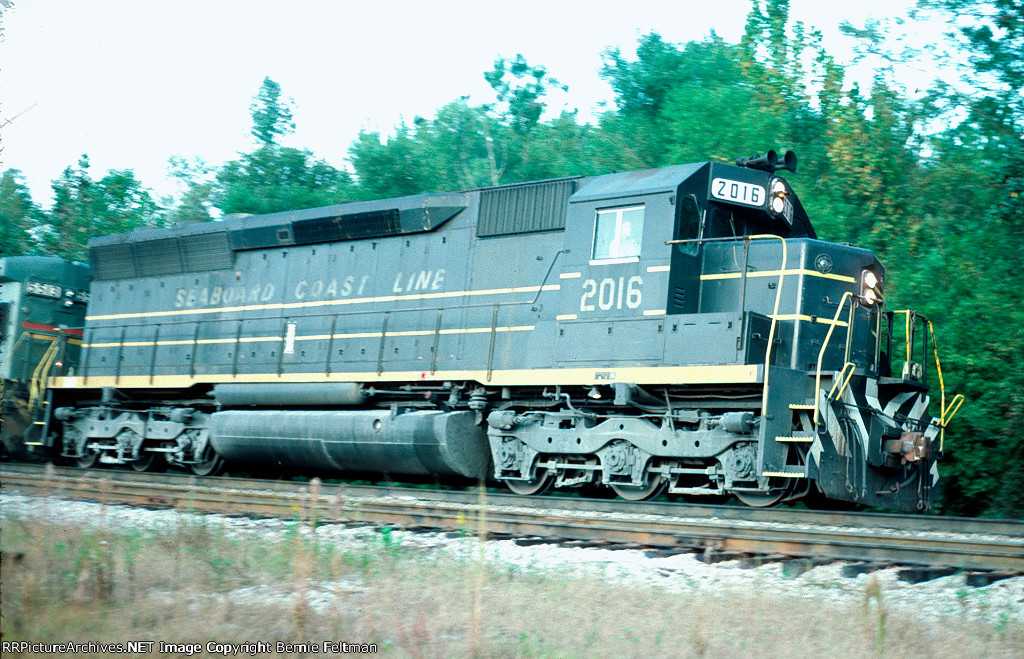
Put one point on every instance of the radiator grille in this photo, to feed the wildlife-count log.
(162, 256)
(524, 208)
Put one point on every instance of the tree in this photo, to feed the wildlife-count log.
(465, 146)
(271, 116)
(193, 203)
(399, 165)
(18, 215)
(274, 178)
(643, 85)
(83, 208)
(992, 33)
(454, 146)
(946, 209)
(714, 100)
(980, 168)
(519, 88)
(633, 136)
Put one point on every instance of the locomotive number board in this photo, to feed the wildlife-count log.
(46, 290)
(738, 192)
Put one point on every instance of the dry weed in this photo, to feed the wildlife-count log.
(193, 584)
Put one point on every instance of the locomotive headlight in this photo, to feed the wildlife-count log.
(779, 204)
(870, 292)
(778, 189)
(870, 279)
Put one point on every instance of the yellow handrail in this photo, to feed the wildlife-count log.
(950, 412)
(907, 313)
(778, 298)
(36, 387)
(946, 414)
(821, 353)
(849, 366)
(775, 315)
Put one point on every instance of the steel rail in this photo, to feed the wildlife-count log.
(976, 544)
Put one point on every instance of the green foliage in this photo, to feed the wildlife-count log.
(399, 165)
(511, 127)
(963, 267)
(466, 146)
(274, 178)
(642, 86)
(271, 116)
(83, 208)
(651, 89)
(18, 215)
(992, 31)
(193, 204)
(520, 88)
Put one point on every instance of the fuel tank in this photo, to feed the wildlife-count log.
(414, 443)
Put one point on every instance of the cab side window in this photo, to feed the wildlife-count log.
(617, 232)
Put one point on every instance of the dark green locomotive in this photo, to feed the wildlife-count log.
(42, 311)
(678, 328)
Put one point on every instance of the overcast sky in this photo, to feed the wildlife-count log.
(131, 83)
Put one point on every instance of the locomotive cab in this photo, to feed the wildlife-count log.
(780, 325)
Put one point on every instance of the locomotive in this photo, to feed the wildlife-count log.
(42, 310)
(679, 329)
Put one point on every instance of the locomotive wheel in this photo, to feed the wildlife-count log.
(150, 461)
(539, 484)
(654, 485)
(761, 500)
(88, 461)
(772, 497)
(211, 464)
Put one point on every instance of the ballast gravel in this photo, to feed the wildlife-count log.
(1000, 604)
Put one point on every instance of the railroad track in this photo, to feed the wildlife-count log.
(963, 543)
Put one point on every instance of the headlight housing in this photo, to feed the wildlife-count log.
(870, 288)
(779, 204)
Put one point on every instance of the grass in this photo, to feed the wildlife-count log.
(195, 583)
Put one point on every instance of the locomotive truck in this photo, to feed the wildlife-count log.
(678, 329)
